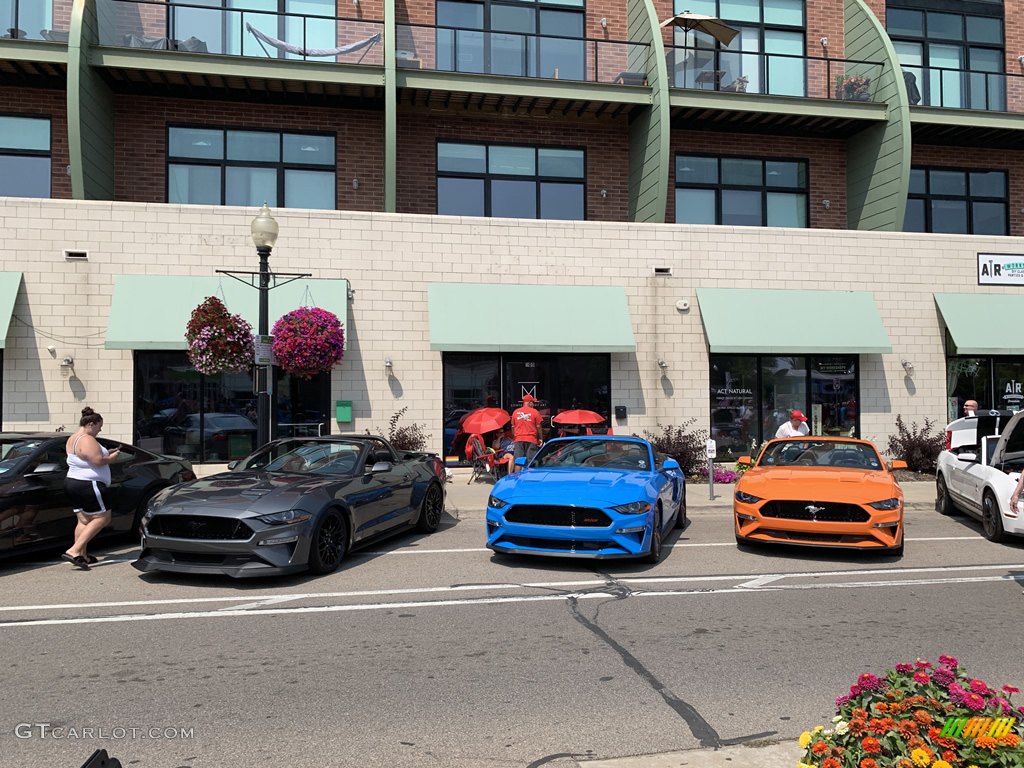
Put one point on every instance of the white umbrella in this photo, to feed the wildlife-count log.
(709, 25)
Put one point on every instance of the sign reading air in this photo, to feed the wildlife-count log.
(1000, 269)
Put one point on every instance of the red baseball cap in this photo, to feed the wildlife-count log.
(529, 399)
(797, 415)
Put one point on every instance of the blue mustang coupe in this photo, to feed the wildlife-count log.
(595, 496)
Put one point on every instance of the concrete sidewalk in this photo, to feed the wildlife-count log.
(757, 755)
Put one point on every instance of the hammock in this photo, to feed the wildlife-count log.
(281, 45)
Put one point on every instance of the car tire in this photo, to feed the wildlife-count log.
(654, 556)
(329, 543)
(898, 551)
(431, 509)
(681, 520)
(992, 518)
(943, 503)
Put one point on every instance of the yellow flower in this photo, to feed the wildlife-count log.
(818, 729)
(804, 765)
(941, 764)
(921, 757)
(805, 739)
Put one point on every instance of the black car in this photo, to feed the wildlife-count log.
(294, 505)
(34, 512)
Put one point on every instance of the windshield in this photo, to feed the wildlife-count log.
(321, 457)
(608, 454)
(811, 453)
(15, 450)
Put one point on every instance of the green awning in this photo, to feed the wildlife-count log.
(983, 323)
(475, 317)
(151, 311)
(742, 320)
(9, 284)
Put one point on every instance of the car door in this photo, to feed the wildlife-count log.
(35, 503)
(399, 479)
(671, 485)
(372, 496)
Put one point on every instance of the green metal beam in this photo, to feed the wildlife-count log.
(90, 111)
(492, 85)
(781, 105)
(236, 66)
(649, 130)
(961, 118)
(35, 51)
(390, 110)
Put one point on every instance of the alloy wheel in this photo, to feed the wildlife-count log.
(330, 541)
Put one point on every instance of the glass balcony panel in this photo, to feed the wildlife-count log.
(26, 19)
(200, 23)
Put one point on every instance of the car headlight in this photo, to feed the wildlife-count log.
(288, 517)
(493, 502)
(892, 503)
(747, 498)
(633, 508)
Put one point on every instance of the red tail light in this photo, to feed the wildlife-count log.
(949, 439)
(186, 475)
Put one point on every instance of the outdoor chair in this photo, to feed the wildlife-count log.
(481, 460)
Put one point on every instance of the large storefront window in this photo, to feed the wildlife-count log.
(994, 382)
(751, 395)
(559, 382)
(213, 418)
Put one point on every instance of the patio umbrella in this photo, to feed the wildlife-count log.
(578, 417)
(698, 22)
(484, 420)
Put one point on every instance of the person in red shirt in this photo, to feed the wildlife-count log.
(526, 429)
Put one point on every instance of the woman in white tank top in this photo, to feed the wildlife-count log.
(87, 485)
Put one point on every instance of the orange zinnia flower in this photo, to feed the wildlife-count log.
(831, 762)
(950, 756)
(858, 727)
(907, 728)
(945, 741)
(933, 733)
(871, 745)
(881, 707)
(819, 747)
(859, 714)
(868, 762)
(922, 717)
(904, 762)
(1010, 740)
(985, 742)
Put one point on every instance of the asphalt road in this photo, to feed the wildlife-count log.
(428, 651)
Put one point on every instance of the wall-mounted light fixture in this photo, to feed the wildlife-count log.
(604, 23)
(1021, 59)
(908, 367)
(662, 364)
(52, 350)
(67, 362)
(826, 204)
(604, 193)
(389, 367)
(355, 183)
(824, 42)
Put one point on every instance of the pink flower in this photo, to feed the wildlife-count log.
(1003, 704)
(974, 701)
(1010, 689)
(855, 690)
(904, 668)
(923, 664)
(843, 700)
(943, 676)
(921, 677)
(870, 682)
(949, 661)
(978, 686)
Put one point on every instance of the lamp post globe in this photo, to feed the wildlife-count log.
(264, 231)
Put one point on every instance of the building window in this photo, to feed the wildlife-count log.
(213, 418)
(741, 191)
(995, 382)
(752, 395)
(24, 156)
(221, 28)
(767, 56)
(965, 202)
(218, 166)
(26, 19)
(510, 181)
(951, 58)
(531, 38)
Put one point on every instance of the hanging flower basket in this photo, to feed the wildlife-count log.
(308, 341)
(218, 342)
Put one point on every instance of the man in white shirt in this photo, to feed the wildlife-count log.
(795, 427)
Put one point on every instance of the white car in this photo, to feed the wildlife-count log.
(979, 470)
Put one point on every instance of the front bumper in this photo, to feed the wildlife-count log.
(592, 542)
(882, 530)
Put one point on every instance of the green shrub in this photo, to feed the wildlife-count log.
(918, 447)
(688, 448)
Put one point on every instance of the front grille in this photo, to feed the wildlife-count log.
(550, 514)
(557, 544)
(198, 527)
(821, 538)
(826, 512)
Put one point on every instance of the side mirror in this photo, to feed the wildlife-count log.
(745, 460)
(47, 468)
(670, 464)
(967, 456)
(232, 465)
(521, 461)
(380, 466)
(898, 464)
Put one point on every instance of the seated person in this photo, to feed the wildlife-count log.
(504, 449)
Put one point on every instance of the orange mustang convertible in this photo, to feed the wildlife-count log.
(820, 491)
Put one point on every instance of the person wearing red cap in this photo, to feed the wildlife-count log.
(795, 427)
(526, 429)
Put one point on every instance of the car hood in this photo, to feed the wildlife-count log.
(576, 487)
(241, 494)
(854, 486)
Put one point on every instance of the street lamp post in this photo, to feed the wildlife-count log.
(264, 234)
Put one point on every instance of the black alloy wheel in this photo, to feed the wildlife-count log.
(431, 509)
(943, 503)
(991, 518)
(654, 556)
(681, 515)
(329, 543)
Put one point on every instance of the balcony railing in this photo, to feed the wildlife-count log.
(240, 32)
(964, 89)
(513, 54)
(773, 73)
(35, 20)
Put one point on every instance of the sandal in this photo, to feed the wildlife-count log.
(76, 560)
(91, 559)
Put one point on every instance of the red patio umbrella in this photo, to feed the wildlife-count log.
(484, 420)
(578, 417)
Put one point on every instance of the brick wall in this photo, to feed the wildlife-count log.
(51, 104)
(606, 145)
(826, 166)
(964, 158)
(141, 142)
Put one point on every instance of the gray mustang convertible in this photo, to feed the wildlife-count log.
(293, 505)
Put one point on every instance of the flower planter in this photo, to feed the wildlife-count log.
(308, 341)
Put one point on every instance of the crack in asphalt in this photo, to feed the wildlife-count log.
(701, 729)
